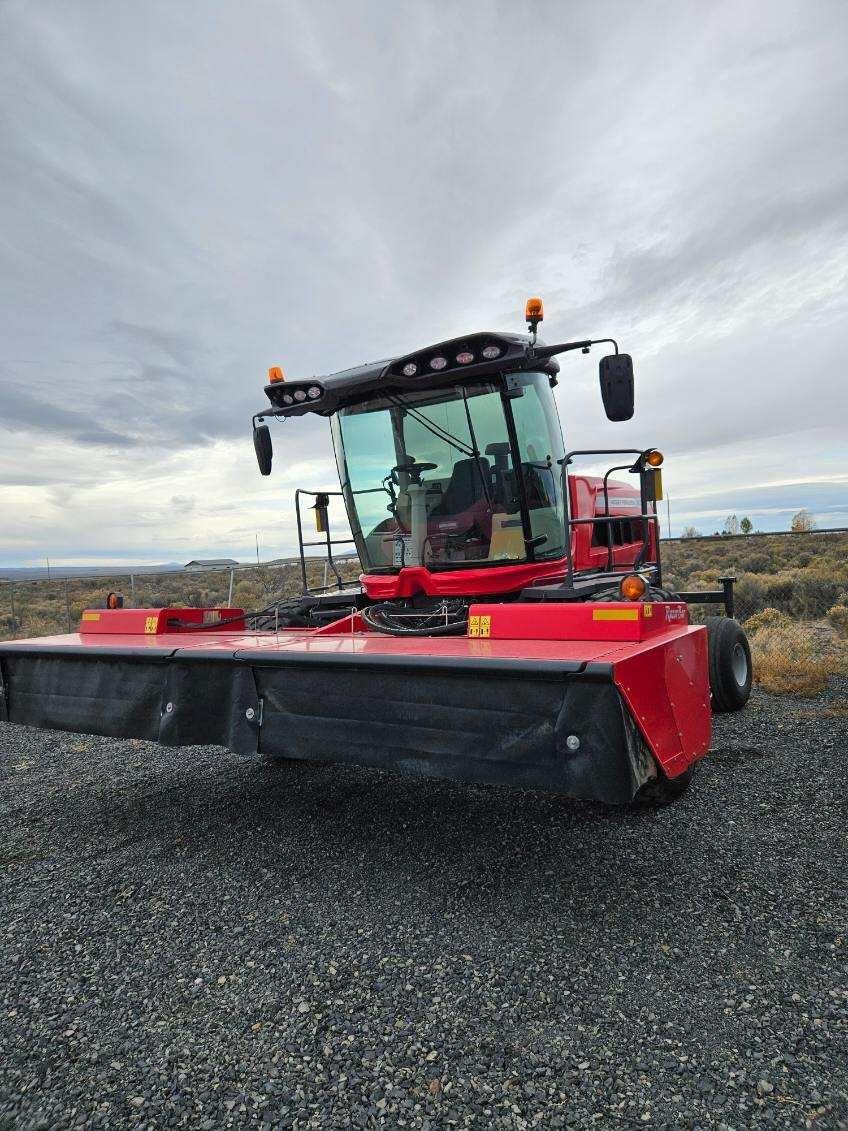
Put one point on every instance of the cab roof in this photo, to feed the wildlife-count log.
(478, 355)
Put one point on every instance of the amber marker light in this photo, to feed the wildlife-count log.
(654, 458)
(275, 374)
(534, 310)
(633, 587)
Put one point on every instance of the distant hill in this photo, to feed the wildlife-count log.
(40, 573)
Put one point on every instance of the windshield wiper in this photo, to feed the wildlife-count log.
(431, 426)
(442, 434)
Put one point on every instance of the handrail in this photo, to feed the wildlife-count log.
(327, 542)
(606, 518)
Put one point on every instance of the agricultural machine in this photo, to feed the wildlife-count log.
(510, 625)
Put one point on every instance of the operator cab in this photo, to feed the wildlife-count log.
(451, 459)
(467, 474)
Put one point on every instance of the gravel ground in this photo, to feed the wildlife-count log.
(189, 938)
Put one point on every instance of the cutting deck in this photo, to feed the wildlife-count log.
(567, 714)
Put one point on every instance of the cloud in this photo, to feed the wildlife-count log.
(190, 195)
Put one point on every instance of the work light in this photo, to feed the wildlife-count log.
(633, 587)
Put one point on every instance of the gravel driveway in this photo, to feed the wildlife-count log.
(189, 938)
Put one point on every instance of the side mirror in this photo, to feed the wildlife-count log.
(263, 447)
(616, 371)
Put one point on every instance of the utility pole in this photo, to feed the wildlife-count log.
(48, 568)
(668, 513)
(257, 547)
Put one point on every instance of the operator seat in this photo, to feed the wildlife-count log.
(465, 488)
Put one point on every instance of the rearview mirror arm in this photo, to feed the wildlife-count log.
(550, 351)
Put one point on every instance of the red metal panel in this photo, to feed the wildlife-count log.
(460, 582)
(154, 622)
(599, 620)
(667, 687)
(338, 642)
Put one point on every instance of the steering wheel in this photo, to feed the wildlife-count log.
(413, 470)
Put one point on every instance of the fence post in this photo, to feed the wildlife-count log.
(230, 591)
(67, 606)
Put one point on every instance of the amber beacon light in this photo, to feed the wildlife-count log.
(534, 310)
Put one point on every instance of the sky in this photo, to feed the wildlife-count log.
(192, 192)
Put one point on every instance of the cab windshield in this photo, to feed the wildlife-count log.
(431, 477)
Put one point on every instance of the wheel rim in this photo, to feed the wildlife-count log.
(739, 664)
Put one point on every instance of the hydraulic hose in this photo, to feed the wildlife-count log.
(396, 619)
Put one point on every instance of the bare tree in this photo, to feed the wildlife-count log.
(803, 522)
(731, 525)
(690, 532)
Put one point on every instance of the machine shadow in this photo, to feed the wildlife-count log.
(473, 845)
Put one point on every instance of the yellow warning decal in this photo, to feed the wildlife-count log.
(648, 610)
(91, 616)
(150, 624)
(615, 614)
(480, 626)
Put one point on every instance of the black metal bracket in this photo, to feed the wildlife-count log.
(566, 347)
(723, 596)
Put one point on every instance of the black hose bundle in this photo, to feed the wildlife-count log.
(418, 618)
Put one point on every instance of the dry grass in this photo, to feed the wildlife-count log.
(792, 657)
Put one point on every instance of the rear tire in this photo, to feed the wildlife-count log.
(731, 671)
(660, 791)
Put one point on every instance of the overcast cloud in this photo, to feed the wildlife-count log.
(192, 192)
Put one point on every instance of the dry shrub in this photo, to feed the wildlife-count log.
(768, 618)
(791, 658)
(787, 675)
(838, 617)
